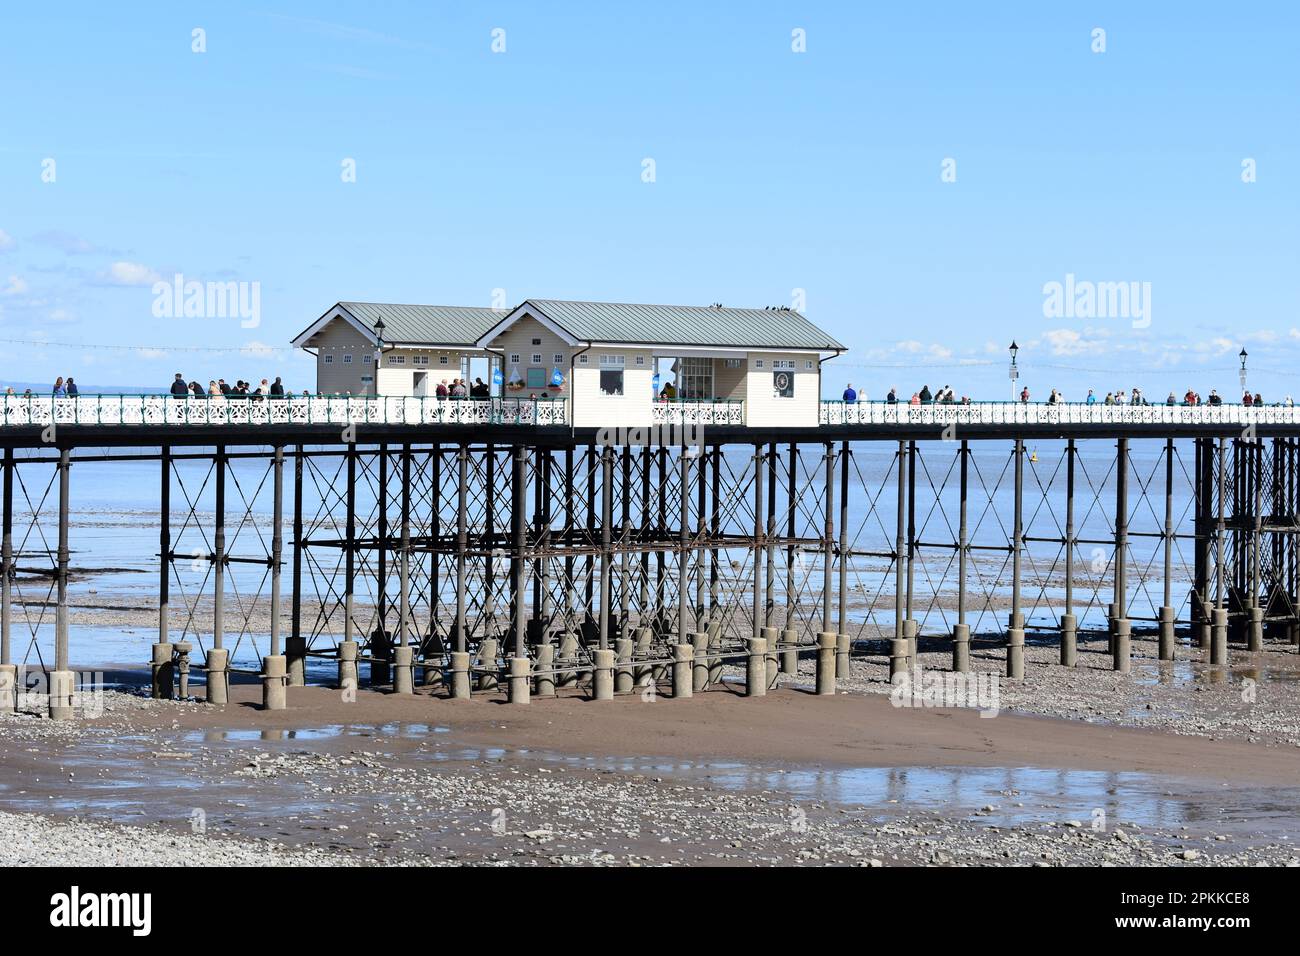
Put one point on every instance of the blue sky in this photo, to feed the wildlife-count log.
(775, 171)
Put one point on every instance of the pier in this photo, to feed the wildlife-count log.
(487, 547)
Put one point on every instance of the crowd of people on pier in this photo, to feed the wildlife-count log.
(269, 389)
(458, 388)
(946, 396)
(220, 388)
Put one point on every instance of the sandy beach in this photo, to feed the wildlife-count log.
(718, 779)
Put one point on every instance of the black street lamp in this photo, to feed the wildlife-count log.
(379, 351)
(1242, 374)
(1015, 370)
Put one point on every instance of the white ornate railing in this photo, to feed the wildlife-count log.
(164, 410)
(44, 410)
(693, 412)
(1041, 413)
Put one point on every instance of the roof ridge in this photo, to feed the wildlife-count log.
(668, 305)
(423, 305)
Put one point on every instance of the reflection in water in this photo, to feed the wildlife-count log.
(164, 788)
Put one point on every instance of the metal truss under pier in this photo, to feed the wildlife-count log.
(542, 560)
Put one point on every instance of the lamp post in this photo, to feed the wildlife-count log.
(1015, 370)
(379, 351)
(1242, 374)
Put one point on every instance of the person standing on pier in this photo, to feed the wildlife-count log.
(850, 396)
(179, 387)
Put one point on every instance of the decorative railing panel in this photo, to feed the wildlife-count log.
(1041, 413)
(688, 412)
(45, 410)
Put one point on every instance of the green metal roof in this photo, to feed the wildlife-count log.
(427, 324)
(685, 325)
(704, 326)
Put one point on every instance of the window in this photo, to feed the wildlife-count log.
(695, 378)
(347, 359)
(442, 360)
(329, 360)
(514, 358)
(559, 358)
(612, 360)
(783, 363)
(640, 360)
(537, 358)
(808, 365)
(397, 360)
(367, 378)
(582, 359)
(611, 381)
(366, 359)
(758, 363)
(733, 363)
(537, 341)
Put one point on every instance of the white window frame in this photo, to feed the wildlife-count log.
(514, 358)
(329, 359)
(347, 358)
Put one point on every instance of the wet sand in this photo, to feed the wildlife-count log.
(717, 779)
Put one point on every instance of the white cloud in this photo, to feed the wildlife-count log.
(6, 241)
(66, 242)
(62, 315)
(130, 273)
(259, 349)
(1216, 346)
(1074, 342)
(16, 286)
(913, 347)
